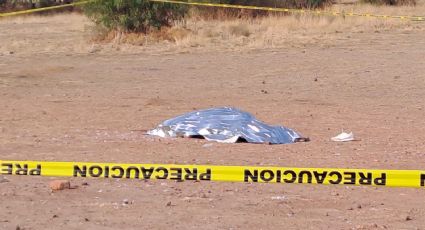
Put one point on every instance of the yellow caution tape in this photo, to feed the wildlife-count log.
(42, 9)
(300, 11)
(318, 12)
(284, 175)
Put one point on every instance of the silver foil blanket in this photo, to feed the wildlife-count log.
(228, 125)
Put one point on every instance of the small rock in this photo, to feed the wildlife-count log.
(278, 197)
(59, 185)
(408, 218)
(94, 49)
(125, 201)
(359, 206)
(204, 196)
(4, 180)
(55, 216)
(86, 219)
(84, 184)
(168, 203)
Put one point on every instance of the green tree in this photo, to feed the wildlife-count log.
(133, 15)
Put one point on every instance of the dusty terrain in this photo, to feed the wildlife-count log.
(66, 99)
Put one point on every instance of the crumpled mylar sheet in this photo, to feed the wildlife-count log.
(227, 125)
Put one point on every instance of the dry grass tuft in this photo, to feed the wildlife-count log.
(169, 34)
(239, 30)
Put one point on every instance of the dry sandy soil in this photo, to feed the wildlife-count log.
(66, 99)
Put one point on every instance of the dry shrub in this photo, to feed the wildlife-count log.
(213, 13)
(239, 30)
(392, 2)
(310, 4)
(171, 34)
(217, 13)
(16, 5)
(9, 5)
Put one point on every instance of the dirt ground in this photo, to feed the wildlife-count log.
(64, 99)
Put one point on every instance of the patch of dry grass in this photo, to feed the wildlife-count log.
(75, 33)
(172, 34)
(67, 32)
(277, 31)
(241, 30)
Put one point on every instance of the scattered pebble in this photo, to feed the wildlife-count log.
(57, 185)
(278, 197)
(408, 218)
(86, 219)
(84, 184)
(334, 194)
(125, 202)
(168, 203)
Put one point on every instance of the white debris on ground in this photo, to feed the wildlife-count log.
(343, 137)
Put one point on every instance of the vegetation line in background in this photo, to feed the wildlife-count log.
(145, 15)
